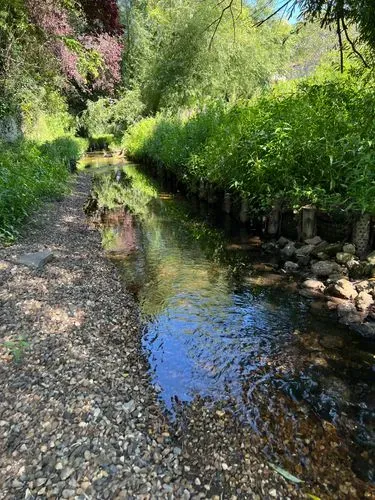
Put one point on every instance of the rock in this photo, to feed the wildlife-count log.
(68, 493)
(35, 260)
(66, 473)
(320, 247)
(282, 241)
(325, 268)
(371, 258)
(332, 249)
(358, 270)
(312, 284)
(364, 286)
(305, 250)
(308, 293)
(322, 256)
(366, 330)
(343, 257)
(343, 289)
(349, 248)
(129, 407)
(288, 251)
(303, 260)
(363, 301)
(348, 314)
(334, 277)
(291, 267)
(314, 241)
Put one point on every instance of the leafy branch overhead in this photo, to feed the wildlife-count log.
(338, 15)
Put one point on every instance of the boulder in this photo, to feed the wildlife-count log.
(320, 248)
(322, 256)
(304, 251)
(314, 241)
(349, 248)
(332, 249)
(303, 260)
(363, 301)
(348, 314)
(343, 289)
(343, 257)
(325, 268)
(312, 284)
(291, 267)
(282, 241)
(371, 258)
(288, 251)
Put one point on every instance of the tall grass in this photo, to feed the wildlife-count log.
(29, 173)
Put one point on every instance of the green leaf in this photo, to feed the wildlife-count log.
(285, 474)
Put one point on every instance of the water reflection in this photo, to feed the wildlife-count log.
(221, 324)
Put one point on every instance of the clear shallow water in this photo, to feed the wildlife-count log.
(220, 324)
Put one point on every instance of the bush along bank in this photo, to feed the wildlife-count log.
(302, 155)
(31, 172)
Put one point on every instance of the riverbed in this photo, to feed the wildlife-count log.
(223, 327)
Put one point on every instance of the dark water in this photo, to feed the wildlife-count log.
(220, 323)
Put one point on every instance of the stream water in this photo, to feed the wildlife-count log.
(221, 324)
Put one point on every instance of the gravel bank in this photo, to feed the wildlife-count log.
(78, 416)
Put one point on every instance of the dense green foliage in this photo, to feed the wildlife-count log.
(29, 173)
(305, 143)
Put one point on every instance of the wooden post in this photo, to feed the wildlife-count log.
(274, 221)
(202, 190)
(244, 213)
(308, 222)
(227, 204)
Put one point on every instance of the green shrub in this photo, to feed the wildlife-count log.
(311, 142)
(29, 173)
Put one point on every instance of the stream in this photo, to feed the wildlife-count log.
(220, 324)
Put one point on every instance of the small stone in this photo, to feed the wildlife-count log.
(87, 455)
(66, 473)
(17, 484)
(273, 493)
(197, 481)
(349, 248)
(59, 466)
(68, 493)
(224, 466)
(40, 481)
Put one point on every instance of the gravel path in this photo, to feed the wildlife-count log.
(78, 415)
